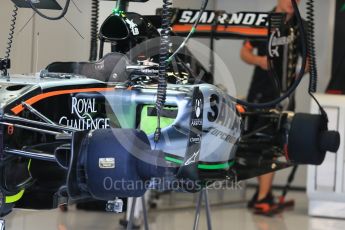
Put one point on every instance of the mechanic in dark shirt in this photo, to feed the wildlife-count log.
(265, 88)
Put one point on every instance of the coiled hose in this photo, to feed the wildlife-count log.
(163, 64)
(94, 30)
(10, 37)
(165, 59)
(311, 51)
(311, 47)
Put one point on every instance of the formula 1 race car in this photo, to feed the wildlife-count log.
(47, 119)
(79, 132)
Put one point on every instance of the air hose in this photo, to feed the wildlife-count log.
(165, 59)
(312, 55)
(163, 65)
(311, 47)
(94, 30)
(63, 13)
(10, 37)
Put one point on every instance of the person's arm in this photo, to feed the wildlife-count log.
(248, 56)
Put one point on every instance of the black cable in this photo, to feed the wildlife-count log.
(312, 56)
(10, 38)
(294, 86)
(214, 27)
(203, 8)
(10, 35)
(94, 30)
(164, 58)
(63, 13)
(163, 65)
(311, 47)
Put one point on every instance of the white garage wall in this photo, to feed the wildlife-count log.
(22, 43)
(42, 41)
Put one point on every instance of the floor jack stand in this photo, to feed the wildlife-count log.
(290, 203)
(2, 224)
(203, 195)
(130, 223)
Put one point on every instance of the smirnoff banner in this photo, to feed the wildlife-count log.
(337, 84)
(242, 25)
(247, 24)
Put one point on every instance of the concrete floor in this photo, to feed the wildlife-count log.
(227, 217)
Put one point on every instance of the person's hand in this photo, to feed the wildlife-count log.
(262, 62)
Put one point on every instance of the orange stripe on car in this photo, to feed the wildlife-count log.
(241, 30)
(19, 108)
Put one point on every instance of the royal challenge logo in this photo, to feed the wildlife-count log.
(85, 111)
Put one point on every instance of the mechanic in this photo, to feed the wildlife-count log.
(263, 88)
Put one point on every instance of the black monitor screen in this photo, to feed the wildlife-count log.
(39, 4)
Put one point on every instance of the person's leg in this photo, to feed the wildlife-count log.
(265, 185)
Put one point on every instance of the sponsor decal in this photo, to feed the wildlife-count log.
(193, 158)
(224, 136)
(277, 40)
(198, 105)
(223, 113)
(241, 18)
(133, 26)
(99, 66)
(106, 163)
(273, 50)
(195, 140)
(83, 108)
(196, 122)
(150, 71)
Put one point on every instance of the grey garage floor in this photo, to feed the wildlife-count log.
(227, 217)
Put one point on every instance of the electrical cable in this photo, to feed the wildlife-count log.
(311, 47)
(312, 56)
(163, 65)
(10, 38)
(164, 58)
(192, 31)
(11, 33)
(94, 30)
(63, 13)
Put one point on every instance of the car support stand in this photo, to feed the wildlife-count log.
(131, 220)
(2, 224)
(203, 195)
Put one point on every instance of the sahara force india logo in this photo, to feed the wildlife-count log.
(83, 108)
